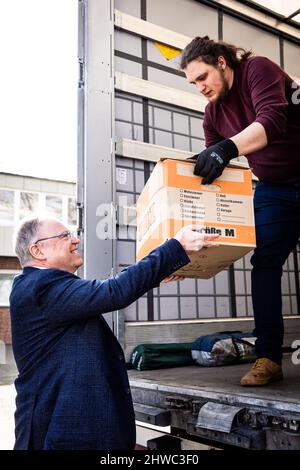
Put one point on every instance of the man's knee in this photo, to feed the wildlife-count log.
(261, 261)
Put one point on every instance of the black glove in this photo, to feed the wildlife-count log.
(212, 161)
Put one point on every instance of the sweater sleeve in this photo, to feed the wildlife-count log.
(212, 137)
(267, 88)
(67, 298)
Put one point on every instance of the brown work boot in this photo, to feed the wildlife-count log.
(262, 372)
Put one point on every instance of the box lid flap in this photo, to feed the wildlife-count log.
(232, 164)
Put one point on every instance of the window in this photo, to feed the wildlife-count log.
(72, 211)
(6, 280)
(28, 203)
(17, 204)
(7, 207)
(54, 205)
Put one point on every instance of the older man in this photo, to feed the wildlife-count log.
(72, 388)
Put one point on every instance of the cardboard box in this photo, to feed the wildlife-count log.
(174, 197)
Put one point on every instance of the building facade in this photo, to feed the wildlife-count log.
(19, 196)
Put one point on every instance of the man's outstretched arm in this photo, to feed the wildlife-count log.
(69, 298)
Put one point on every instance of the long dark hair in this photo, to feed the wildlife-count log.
(208, 51)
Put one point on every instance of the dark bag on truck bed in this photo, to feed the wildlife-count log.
(226, 347)
(159, 356)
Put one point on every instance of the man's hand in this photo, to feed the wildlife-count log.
(212, 161)
(193, 238)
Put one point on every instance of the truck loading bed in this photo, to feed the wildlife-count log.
(207, 403)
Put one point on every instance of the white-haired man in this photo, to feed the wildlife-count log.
(72, 388)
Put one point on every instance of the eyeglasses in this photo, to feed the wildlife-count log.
(61, 236)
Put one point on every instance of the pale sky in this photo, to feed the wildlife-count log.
(38, 88)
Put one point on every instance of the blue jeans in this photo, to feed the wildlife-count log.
(277, 221)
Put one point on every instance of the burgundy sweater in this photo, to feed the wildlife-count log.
(261, 92)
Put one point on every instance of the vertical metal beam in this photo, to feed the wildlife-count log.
(281, 51)
(96, 175)
(220, 25)
(80, 124)
(145, 75)
(150, 300)
(232, 294)
(99, 163)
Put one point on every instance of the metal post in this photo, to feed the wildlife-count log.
(96, 162)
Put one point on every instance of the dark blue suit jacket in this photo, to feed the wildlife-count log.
(72, 387)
